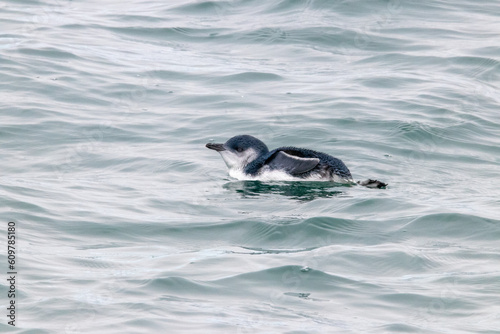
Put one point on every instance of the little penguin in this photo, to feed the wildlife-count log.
(248, 158)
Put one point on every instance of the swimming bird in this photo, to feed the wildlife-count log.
(248, 158)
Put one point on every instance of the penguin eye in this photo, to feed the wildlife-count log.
(239, 149)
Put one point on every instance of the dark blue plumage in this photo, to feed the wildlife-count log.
(243, 142)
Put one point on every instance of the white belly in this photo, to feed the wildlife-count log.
(277, 175)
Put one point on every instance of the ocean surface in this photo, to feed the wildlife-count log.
(126, 223)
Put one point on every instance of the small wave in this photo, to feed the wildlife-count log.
(247, 77)
(454, 226)
(48, 52)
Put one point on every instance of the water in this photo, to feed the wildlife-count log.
(126, 223)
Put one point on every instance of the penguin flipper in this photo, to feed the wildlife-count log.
(373, 184)
(292, 164)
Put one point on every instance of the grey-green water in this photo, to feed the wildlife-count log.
(126, 223)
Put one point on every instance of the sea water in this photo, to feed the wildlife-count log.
(126, 223)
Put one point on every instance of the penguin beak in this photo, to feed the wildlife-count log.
(216, 147)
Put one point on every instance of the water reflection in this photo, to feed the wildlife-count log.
(303, 191)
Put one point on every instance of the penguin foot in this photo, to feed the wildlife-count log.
(373, 184)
